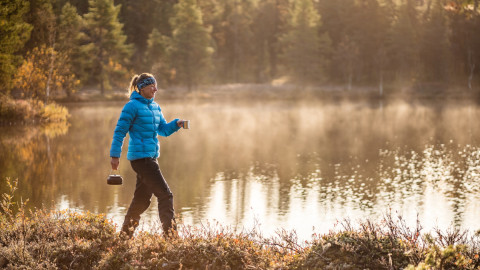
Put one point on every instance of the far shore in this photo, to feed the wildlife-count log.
(19, 110)
(251, 92)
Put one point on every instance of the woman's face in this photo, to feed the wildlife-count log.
(149, 91)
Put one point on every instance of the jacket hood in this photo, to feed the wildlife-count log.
(137, 96)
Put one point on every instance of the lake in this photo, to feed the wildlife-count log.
(296, 165)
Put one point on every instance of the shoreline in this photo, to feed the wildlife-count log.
(249, 92)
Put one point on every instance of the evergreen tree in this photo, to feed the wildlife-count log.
(370, 35)
(156, 57)
(403, 48)
(69, 38)
(80, 5)
(434, 44)
(69, 30)
(465, 41)
(14, 33)
(190, 51)
(338, 18)
(346, 57)
(43, 39)
(304, 49)
(268, 23)
(383, 58)
(42, 17)
(212, 13)
(107, 52)
(140, 17)
(231, 29)
(338, 21)
(212, 16)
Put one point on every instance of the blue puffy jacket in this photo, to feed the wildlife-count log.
(144, 120)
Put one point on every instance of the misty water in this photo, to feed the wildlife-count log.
(299, 166)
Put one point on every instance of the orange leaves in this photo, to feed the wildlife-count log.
(44, 72)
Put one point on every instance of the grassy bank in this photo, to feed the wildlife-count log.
(14, 111)
(66, 240)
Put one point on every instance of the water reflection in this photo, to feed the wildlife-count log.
(271, 164)
(29, 151)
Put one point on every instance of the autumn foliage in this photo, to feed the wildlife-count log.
(44, 67)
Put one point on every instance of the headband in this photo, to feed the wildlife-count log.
(145, 82)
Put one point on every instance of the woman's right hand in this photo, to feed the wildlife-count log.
(115, 161)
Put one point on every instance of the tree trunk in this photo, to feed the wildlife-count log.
(350, 78)
(50, 74)
(471, 65)
(273, 59)
(100, 56)
(380, 87)
(349, 73)
(259, 78)
(50, 65)
(235, 43)
(189, 75)
(102, 86)
(102, 77)
(380, 61)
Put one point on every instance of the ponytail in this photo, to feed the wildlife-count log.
(133, 84)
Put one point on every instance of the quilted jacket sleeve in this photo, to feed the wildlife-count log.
(123, 125)
(166, 129)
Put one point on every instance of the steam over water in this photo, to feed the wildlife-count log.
(294, 165)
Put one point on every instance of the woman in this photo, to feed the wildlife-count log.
(143, 119)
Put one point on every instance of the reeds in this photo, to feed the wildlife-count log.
(70, 240)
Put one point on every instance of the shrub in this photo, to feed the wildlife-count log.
(70, 240)
(54, 113)
(29, 110)
(14, 110)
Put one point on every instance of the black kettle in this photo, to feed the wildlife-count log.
(114, 179)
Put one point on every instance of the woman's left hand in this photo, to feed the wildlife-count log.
(180, 123)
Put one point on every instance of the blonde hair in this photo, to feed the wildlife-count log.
(135, 79)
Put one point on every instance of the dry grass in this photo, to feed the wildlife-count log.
(14, 111)
(66, 240)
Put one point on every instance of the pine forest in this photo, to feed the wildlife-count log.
(57, 47)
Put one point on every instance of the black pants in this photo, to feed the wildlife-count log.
(149, 181)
